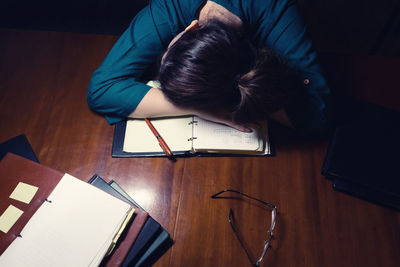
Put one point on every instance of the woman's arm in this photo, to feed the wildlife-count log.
(116, 87)
(155, 104)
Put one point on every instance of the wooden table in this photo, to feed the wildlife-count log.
(43, 82)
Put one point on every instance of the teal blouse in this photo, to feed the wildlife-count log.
(116, 89)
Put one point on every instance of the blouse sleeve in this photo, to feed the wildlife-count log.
(115, 90)
(279, 26)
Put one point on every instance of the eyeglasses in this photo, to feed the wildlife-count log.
(232, 224)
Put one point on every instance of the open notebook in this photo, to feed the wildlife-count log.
(191, 134)
(187, 135)
(75, 226)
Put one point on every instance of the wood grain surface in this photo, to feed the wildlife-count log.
(43, 81)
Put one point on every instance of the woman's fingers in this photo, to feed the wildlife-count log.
(228, 122)
(241, 128)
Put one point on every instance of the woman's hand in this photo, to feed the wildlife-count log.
(154, 104)
(220, 119)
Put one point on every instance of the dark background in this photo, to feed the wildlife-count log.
(358, 27)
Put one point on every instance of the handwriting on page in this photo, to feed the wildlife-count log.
(212, 135)
(234, 137)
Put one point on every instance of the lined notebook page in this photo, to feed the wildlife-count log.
(175, 131)
(214, 136)
(75, 229)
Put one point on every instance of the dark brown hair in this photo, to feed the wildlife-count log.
(216, 70)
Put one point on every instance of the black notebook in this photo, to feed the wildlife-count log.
(363, 155)
(18, 145)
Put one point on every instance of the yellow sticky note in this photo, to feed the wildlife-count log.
(9, 217)
(24, 192)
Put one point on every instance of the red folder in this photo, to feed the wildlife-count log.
(118, 256)
(15, 169)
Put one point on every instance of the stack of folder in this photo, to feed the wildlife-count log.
(49, 218)
(152, 241)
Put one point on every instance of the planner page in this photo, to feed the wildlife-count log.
(212, 136)
(174, 130)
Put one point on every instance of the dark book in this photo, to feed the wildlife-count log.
(363, 155)
(150, 232)
(124, 247)
(116, 186)
(18, 145)
(160, 245)
(152, 241)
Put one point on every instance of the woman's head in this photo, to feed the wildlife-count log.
(213, 69)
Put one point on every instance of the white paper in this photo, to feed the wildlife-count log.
(75, 229)
(214, 136)
(174, 131)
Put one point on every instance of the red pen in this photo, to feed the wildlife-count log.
(160, 140)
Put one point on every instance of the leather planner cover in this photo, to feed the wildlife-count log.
(15, 169)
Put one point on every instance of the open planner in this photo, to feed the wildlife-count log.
(187, 135)
(54, 219)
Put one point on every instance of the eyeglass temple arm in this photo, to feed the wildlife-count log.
(231, 222)
(240, 193)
